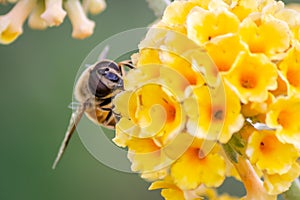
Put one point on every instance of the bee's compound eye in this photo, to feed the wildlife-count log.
(106, 64)
(102, 71)
(112, 77)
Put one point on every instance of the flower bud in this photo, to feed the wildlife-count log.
(82, 26)
(35, 21)
(11, 24)
(54, 14)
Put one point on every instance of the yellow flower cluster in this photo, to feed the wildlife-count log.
(48, 13)
(214, 74)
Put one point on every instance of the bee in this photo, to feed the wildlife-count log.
(94, 90)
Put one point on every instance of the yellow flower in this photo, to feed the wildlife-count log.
(224, 50)
(203, 25)
(290, 14)
(243, 8)
(268, 153)
(190, 170)
(182, 66)
(176, 13)
(265, 34)
(147, 158)
(291, 70)
(201, 71)
(284, 116)
(212, 116)
(159, 117)
(282, 86)
(257, 109)
(169, 190)
(148, 56)
(251, 76)
(277, 184)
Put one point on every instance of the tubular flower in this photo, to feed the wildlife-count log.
(251, 76)
(189, 171)
(214, 94)
(265, 34)
(224, 50)
(269, 154)
(283, 115)
(213, 120)
(278, 183)
(43, 14)
(203, 25)
(290, 69)
(170, 191)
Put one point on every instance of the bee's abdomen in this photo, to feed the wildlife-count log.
(101, 112)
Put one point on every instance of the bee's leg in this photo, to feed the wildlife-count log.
(126, 63)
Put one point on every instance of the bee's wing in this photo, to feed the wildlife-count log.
(103, 53)
(75, 118)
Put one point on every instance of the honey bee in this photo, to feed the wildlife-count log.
(94, 90)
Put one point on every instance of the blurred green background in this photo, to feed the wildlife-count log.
(37, 74)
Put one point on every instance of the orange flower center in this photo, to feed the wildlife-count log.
(248, 81)
(266, 144)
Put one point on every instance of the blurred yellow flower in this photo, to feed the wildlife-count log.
(47, 13)
(169, 190)
(11, 24)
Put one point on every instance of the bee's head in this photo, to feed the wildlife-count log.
(104, 77)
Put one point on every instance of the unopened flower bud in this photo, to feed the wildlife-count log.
(35, 21)
(54, 14)
(11, 24)
(82, 26)
(94, 6)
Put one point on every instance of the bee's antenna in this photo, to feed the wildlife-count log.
(75, 118)
(103, 53)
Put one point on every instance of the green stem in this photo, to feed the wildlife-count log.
(294, 191)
